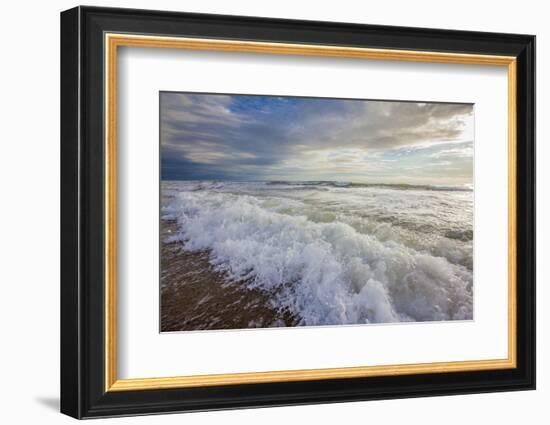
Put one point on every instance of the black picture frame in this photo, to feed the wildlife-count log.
(83, 392)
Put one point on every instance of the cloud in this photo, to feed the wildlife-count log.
(255, 137)
(463, 152)
(385, 125)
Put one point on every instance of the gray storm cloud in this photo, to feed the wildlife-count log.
(257, 137)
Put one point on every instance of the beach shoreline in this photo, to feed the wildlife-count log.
(196, 297)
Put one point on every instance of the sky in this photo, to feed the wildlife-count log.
(251, 138)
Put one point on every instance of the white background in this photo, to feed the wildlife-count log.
(29, 171)
(143, 72)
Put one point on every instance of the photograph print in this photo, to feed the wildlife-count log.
(283, 211)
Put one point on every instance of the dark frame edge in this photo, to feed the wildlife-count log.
(526, 209)
(71, 350)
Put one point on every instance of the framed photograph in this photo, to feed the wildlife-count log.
(261, 212)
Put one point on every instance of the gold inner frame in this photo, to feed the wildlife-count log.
(113, 41)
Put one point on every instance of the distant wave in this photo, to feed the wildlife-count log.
(399, 186)
(219, 184)
(324, 271)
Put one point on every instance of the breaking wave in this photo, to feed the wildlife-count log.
(331, 259)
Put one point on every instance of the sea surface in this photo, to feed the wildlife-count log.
(334, 253)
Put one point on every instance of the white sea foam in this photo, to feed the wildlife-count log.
(335, 255)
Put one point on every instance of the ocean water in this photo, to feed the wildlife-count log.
(335, 253)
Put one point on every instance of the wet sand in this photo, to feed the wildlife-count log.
(195, 297)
